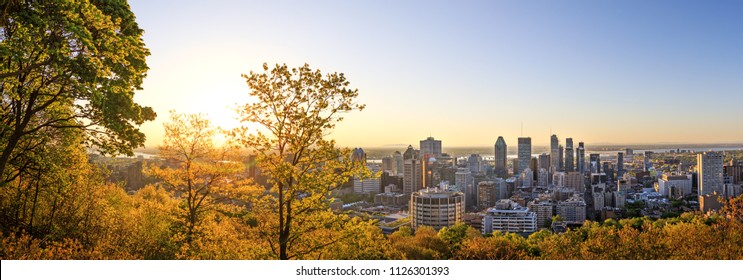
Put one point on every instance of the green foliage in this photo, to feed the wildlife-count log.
(294, 110)
(69, 65)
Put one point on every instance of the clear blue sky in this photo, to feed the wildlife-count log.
(466, 72)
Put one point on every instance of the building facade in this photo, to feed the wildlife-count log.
(436, 208)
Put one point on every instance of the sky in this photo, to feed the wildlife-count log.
(464, 72)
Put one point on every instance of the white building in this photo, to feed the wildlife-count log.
(436, 208)
(709, 166)
(368, 185)
(508, 216)
(674, 185)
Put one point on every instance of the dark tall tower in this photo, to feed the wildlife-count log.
(580, 160)
(554, 150)
(569, 156)
(500, 156)
(524, 154)
(595, 161)
(620, 165)
(561, 162)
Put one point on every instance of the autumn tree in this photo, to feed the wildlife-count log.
(69, 65)
(294, 110)
(197, 171)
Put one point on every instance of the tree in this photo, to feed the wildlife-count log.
(69, 65)
(197, 171)
(294, 110)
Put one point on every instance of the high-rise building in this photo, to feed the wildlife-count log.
(387, 164)
(709, 166)
(465, 183)
(501, 150)
(595, 161)
(358, 154)
(412, 177)
(436, 208)
(411, 153)
(620, 164)
(561, 161)
(580, 158)
(430, 146)
(734, 170)
(509, 216)
(474, 163)
(554, 150)
(397, 163)
(569, 156)
(544, 161)
(524, 154)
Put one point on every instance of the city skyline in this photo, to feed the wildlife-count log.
(630, 72)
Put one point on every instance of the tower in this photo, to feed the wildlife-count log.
(569, 156)
(554, 150)
(524, 154)
(709, 165)
(500, 156)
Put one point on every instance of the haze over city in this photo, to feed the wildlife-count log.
(465, 72)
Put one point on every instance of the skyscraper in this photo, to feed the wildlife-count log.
(397, 163)
(430, 146)
(580, 158)
(561, 160)
(620, 164)
(554, 150)
(709, 166)
(569, 156)
(466, 183)
(524, 154)
(500, 156)
(595, 161)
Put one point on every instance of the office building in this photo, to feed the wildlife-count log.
(430, 146)
(524, 154)
(436, 208)
(501, 152)
(709, 167)
(569, 156)
(620, 164)
(397, 163)
(580, 158)
(465, 183)
(412, 177)
(595, 162)
(554, 153)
